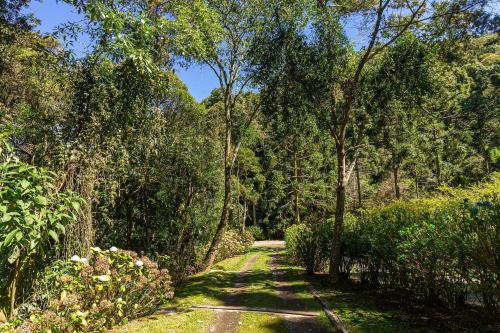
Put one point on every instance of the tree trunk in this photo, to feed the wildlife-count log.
(243, 224)
(358, 185)
(335, 255)
(228, 168)
(395, 171)
(254, 217)
(14, 279)
(212, 250)
(296, 199)
(238, 206)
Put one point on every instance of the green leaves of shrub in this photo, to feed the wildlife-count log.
(33, 215)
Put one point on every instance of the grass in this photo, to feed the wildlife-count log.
(365, 311)
(235, 263)
(262, 323)
(360, 310)
(197, 321)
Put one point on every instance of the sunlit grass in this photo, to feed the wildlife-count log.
(205, 288)
(262, 323)
(196, 321)
(235, 263)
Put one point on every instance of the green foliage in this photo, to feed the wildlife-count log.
(233, 243)
(256, 232)
(93, 294)
(34, 215)
(304, 246)
(442, 249)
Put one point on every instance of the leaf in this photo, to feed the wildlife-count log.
(60, 227)
(10, 236)
(6, 217)
(25, 184)
(41, 200)
(53, 234)
(14, 255)
(76, 205)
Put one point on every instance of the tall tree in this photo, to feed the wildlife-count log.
(227, 57)
(387, 22)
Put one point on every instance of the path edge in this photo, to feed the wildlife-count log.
(334, 319)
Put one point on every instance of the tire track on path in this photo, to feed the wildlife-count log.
(229, 321)
(286, 292)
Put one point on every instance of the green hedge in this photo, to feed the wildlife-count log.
(308, 245)
(442, 249)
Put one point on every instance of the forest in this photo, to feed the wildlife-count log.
(328, 183)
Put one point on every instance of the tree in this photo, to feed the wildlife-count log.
(227, 59)
(388, 21)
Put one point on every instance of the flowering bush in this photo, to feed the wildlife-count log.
(96, 293)
(233, 243)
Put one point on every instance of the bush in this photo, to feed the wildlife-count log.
(305, 246)
(439, 249)
(33, 215)
(233, 243)
(256, 232)
(92, 295)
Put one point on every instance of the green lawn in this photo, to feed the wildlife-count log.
(253, 322)
(197, 321)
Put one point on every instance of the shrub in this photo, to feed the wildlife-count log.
(92, 295)
(305, 247)
(233, 243)
(257, 232)
(33, 215)
(439, 249)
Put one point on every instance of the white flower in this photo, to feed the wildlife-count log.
(84, 261)
(119, 300)
(96, 248)
(79, 313)
(113, 249)
(75, 258)
(139, 263)
(103, 278)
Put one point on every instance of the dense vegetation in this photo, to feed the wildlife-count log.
(441, 250)
(309, 136)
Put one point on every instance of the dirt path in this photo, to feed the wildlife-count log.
(285, 291)
(229, 321)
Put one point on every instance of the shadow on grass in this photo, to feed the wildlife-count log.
(366, 309)
(257, 290)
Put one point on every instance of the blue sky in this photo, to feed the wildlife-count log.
(199, 79)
